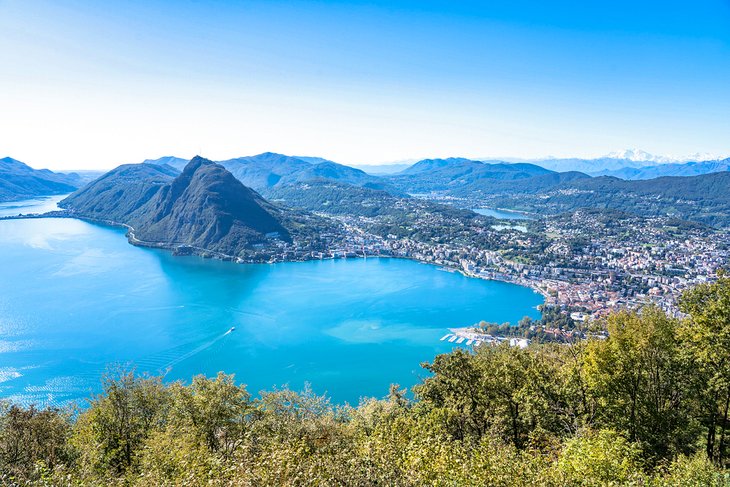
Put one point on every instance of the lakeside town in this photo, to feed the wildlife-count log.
(586, 263)
(640, 261)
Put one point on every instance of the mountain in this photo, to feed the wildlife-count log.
(638, 155)
(177, 162)
(530, 185)
(265, 171)
(20, 181)
(637, 164)
(430, 165)
(691, 168)
(591, 166)
(121, 193)
(706, 187)
(336, 172)
(204, 207)
(704, 198)
(614, 161)
(82, 177)
(313, 160)
(268, 170)
(333, 197)
(455, 174)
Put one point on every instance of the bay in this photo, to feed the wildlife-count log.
(76, 297)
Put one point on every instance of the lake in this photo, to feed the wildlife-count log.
(503, 214)
(75, 297)
(43, 204)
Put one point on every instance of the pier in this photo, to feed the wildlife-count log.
(473, 336)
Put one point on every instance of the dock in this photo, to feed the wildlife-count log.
(475, 337)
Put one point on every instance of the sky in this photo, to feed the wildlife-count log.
(88, 84)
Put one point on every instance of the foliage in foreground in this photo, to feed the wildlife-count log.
(647, 406)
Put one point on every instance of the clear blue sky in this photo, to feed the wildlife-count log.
(96, 84)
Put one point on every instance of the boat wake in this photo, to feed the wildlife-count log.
(164, 370)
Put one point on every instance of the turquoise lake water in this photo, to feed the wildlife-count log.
(75, 297)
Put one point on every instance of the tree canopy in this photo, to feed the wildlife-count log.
(646, 406)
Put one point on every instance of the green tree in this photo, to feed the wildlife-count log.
(641, 382)
(29, 437)
(706, 336)
(521, 395)
(456, 386)
(215, 409)
(601, 457)
(110, 434)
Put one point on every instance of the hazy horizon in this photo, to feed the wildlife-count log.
(658, 159)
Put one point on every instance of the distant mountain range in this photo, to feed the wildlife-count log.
(692, 168)
(459, 177)
(636, 164)
(267, 170)
(320, 185)
(694, 190)
(264, 172)
(704, 198)
(20, 181)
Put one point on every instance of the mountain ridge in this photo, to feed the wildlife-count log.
(20, 181)
(202, 207)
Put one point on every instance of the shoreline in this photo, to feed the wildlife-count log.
(212, 254)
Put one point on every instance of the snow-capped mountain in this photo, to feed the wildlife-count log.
(639, 164)
(638, 155)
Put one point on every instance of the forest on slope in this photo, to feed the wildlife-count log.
(646, 406)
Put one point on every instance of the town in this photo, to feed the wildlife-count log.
(586, 263)
(589, 261)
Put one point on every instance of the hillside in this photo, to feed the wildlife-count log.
(529, 185)
(474, 418)
(269, 170)
(121, 193)
(632, 164)
(205, 206)
(177, 162)
(335, 198)
(679, 169)
(466, 178)
(703, 198)
(20, 181)
(444, 175)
